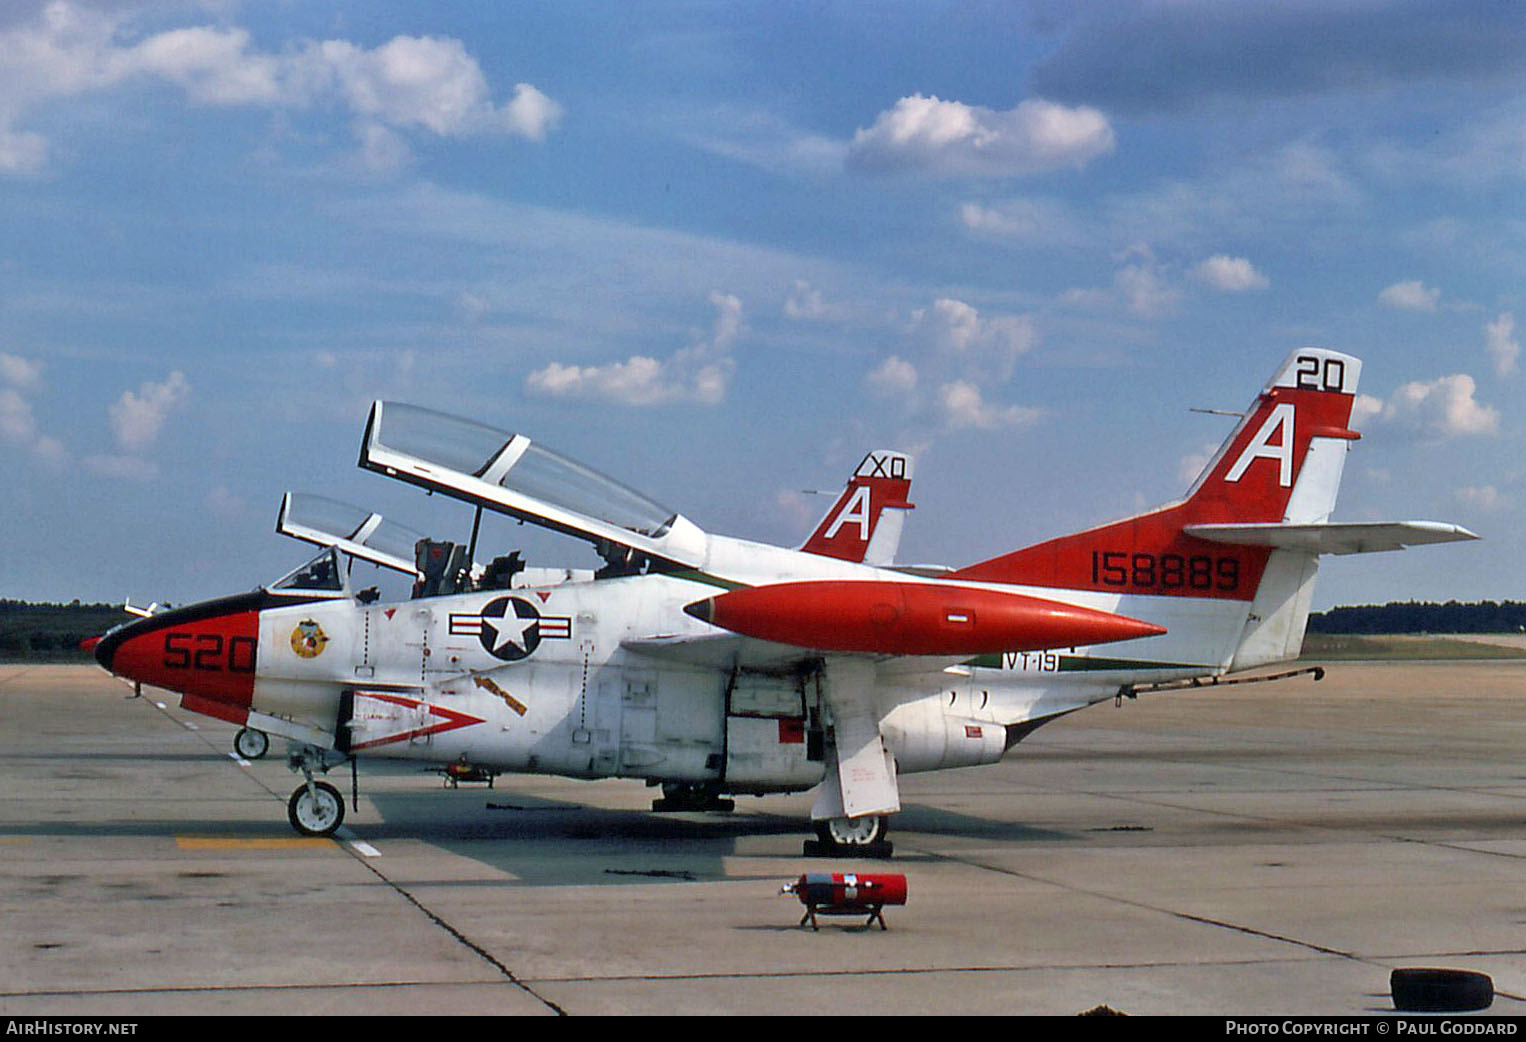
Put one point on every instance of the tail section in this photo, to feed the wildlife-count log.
(1246, 538)
(864, 525)
(1283, 459)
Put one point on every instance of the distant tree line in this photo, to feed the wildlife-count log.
(1420, 617)
(53, 631)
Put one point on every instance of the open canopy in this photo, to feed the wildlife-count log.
(510, 474)
(358, 532)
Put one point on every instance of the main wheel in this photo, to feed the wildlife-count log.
(853, 832)
(251, 744)
(320, 817)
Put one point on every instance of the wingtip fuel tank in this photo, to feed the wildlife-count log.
(910, 618)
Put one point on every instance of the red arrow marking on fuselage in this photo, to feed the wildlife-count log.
(452, 721)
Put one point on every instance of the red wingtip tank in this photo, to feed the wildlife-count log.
(904, 618)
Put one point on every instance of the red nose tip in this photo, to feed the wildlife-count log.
(205, 651)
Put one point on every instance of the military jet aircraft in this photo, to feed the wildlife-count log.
(715, 666)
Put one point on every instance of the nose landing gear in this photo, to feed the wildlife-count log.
(316, 808)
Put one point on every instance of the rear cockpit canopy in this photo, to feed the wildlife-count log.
(509, 474)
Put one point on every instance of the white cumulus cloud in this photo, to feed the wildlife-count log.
(1444, 407)
(892, 377)
(699, 373)
(1141, 286)
(974, 344)
(1410, 296)
(930, 136)
(1230, 274)
(136, 418)
(1036, 221)
(806, 302)
(1500, 342)
(17, 425)
(19, 372)
(410, 82)
(963, 406)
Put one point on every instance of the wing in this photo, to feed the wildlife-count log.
(860, 776)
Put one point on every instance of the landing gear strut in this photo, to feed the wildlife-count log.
(851, 837)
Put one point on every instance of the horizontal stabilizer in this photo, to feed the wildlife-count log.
(1333, 538)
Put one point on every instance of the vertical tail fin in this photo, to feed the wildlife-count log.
(864, 525)
(1284, 460)
(1281, 464)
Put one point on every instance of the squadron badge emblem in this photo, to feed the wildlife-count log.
(308, 639)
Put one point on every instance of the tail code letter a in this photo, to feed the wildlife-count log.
(1261, 446)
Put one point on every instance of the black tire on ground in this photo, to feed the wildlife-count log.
(848, 833)
(320, 819)
(1427, 990)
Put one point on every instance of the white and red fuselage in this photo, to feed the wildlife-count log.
(743, 667)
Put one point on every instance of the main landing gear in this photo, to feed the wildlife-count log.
(251, 744)
(316, 808)
(851, 837)
(692, 796)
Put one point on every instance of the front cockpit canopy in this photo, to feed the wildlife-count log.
(342, 529)
(353, 530)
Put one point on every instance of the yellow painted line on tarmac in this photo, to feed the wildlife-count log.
(225, 843)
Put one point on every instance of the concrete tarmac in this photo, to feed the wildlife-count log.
(1269, 849)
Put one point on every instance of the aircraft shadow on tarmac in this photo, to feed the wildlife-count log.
(548, 842)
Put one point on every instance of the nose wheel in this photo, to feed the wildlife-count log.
(316, 809)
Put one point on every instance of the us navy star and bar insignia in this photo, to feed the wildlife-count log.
(510, 628)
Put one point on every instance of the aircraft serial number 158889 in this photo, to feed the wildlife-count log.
(716, 666)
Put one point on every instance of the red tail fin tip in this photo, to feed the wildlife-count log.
(1282, 462)
(864, 524)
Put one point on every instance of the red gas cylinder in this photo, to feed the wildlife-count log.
(847, 893)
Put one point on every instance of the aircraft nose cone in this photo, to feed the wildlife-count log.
(207, 650)
(703, 610)
(104, 648)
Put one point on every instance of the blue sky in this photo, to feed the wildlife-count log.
(721, 250)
